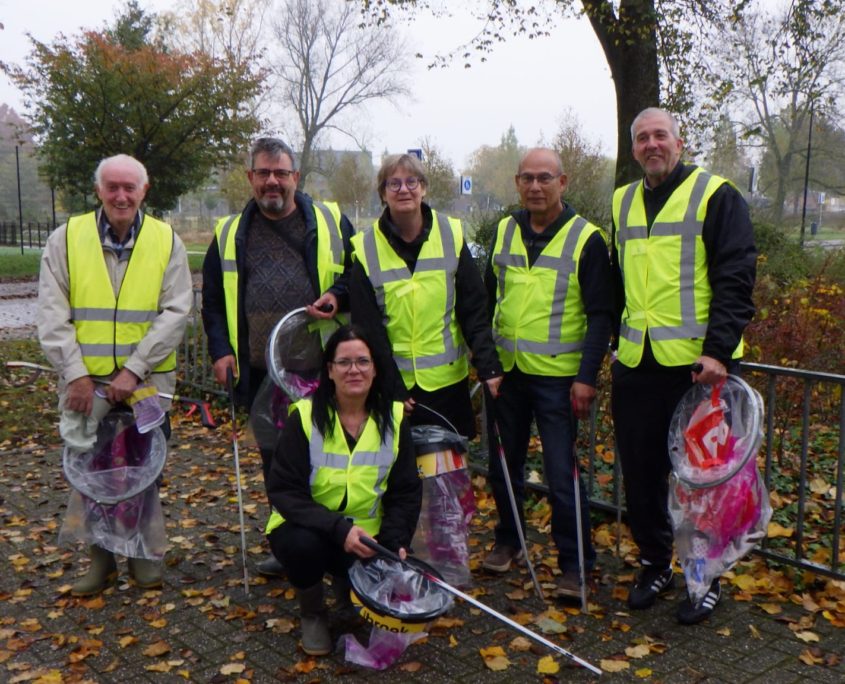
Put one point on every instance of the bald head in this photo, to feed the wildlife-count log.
(542, 155)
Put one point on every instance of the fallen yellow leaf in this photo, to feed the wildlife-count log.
(639, 651)
(491, 651)
(232, 668)
(612, 665)
(643, 672)
(157, 649)
(497, 663)
(808, 637)
(520, 644)
(127, 640)
(724, 631)
(777, 530)
(547, 665)
(771, 608)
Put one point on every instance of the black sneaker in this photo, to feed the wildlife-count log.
(651, 582)
(689, 614)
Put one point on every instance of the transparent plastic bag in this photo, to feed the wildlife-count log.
(717, 500)
(133, 527)
(397, 590)
(270, 408)
(115, 501)
(383, 649)
(448, 503)
(442, 534)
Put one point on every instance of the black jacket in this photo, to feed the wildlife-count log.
(593, 279)
(214, 301)
(470, 303)
(289, 490)
(728, 237)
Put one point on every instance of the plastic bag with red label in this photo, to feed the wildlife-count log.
(717, 499)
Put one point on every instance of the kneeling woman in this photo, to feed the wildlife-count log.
(344, 468)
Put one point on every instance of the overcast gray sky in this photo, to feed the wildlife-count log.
(527, 83)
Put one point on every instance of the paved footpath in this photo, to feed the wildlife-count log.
(201, 626)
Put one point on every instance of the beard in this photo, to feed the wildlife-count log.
(272, 206)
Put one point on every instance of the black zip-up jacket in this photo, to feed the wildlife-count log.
(289, 489)
(593, 279)
(214, 300)
(728, 237)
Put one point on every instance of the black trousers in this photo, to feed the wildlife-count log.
(307, 555)
(452, 402)
(642, 402)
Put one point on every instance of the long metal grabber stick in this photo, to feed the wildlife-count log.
(202, 406)
(230, 387)
(514, 509)
(378, 548)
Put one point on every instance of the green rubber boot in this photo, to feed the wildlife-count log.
(146, 573)
(316, 639)
(102, 573)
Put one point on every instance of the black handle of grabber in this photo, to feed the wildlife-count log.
(696, 367)
(325, 308)
(381, 550)
(230, 384)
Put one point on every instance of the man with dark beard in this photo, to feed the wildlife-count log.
(282, 252)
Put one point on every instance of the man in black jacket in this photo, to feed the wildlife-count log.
(283, 252)
(548, 284)
(684, 265)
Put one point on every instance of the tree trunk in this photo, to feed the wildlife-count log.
(629, 42)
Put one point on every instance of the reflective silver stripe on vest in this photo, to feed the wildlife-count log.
(382, 459)
(108, 350)
(631, 334)
(563, 265)
(335, 242)
(226, 264)
(380, 277)
(109, 315)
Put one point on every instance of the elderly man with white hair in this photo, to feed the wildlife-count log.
(114, 296)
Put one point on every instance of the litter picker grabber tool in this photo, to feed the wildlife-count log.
(582, 579)
(514, 509)
(378, 548)
(196, 404)
(230, 387)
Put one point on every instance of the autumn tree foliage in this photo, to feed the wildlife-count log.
(122, 91)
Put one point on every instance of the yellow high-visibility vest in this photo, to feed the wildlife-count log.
(359, 476)
(539, 322)
(109, 328)
(419, 309)
(667, 292)
(330, 259)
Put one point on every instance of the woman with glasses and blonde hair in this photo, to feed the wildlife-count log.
(344, 468)
(415, 286)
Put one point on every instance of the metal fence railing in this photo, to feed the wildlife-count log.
(31, 234)
(802, 459)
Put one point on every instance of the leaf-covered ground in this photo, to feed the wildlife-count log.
(773, 624)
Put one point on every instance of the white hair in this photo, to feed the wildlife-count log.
(143, 178)
(649, 111)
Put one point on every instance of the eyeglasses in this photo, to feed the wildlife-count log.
(541, 178)
(362, 363)
(280, 174)
(395, 184)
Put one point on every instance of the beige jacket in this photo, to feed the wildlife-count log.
(56, 331)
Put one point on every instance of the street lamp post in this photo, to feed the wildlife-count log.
(807, 174)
